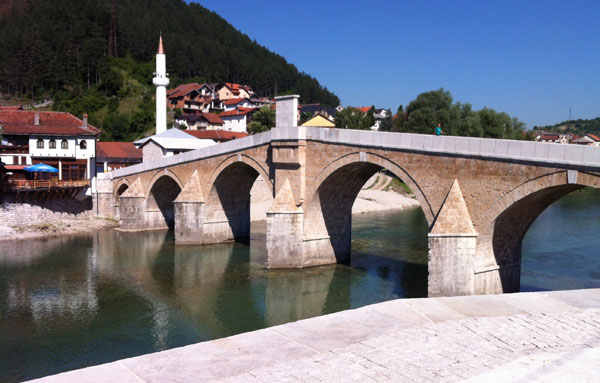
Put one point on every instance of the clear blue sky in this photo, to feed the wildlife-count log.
(530, 59)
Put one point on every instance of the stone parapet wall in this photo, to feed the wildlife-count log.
(35, 213)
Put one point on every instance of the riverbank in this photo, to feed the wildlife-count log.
(524, 337)
(64, 226)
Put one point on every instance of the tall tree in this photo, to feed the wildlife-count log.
(262, 120)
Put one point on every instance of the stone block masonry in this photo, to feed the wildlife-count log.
(478, 196)
(31, 213)
(525, 337)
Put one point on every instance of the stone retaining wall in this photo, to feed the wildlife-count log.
(34, 213)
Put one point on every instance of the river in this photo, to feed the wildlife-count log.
(72, 302)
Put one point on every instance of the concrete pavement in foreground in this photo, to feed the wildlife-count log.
(524, 337)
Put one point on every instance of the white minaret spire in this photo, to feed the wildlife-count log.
(161, 81)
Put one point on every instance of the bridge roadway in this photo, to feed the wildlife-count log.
(479, 196)
(522, 337)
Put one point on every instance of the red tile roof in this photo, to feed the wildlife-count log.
(233, 101)
(593, 137)
(118, 150)
(235, 88)
(22, 122)
(237, 112)
(183, 90)
(210, 117)
(364, 109)
(217, 135)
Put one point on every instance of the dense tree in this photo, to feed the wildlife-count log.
(262, 121)
(58, 44)
(437, 107)
(59, 49)
(387, 124)
(352, 118)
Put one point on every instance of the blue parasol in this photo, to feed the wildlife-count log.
(40, 168)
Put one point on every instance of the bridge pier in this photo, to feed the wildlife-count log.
(189, 213)
(284, 231)
(132, 208)
(452, 245)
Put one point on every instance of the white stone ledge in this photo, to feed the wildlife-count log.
(485, 148)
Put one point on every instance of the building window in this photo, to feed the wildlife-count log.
(40, 144)
(64, 144)
(52, 144)
(83, 145)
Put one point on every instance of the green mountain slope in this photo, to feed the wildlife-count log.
(579, 127)
(60, 49)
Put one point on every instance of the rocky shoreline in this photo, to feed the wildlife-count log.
(65, 226)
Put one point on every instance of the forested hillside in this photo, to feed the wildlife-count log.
(96, 56)
(579, 127)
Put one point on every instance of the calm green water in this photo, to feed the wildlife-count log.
(72, 302)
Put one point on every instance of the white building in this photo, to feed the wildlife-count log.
(58, 139)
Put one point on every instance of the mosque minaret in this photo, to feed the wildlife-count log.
(161, 81)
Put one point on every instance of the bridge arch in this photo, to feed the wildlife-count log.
(382, 163)
(162, 191)
(120, 188)
(330, 197)
(227, 162)
(227, 207)
(508, 220)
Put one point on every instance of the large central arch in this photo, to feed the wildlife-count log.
(327, 225)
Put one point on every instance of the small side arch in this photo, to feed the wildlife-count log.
(161, 193)
(121, 187)
(162, 173)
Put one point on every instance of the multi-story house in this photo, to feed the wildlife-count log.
(201, 121)
(237, 120)
(58, 139)
(228, 90)
(194, 98)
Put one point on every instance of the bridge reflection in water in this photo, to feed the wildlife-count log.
(87, 300)
(72, 302)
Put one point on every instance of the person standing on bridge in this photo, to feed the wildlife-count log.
(438, 130)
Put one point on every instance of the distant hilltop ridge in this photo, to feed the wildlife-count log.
(80, 36)
(97, 57)
(580, 127)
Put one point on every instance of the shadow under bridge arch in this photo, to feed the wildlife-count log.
(160, 209)
(227, 209)
(327, 224)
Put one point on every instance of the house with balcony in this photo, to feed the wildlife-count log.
(194, 98)
(201, 121)
(58, 139)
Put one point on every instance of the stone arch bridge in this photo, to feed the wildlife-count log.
(479, 196)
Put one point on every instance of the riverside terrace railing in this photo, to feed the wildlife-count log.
(22, 185)
(549, 154)
(14, 149)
